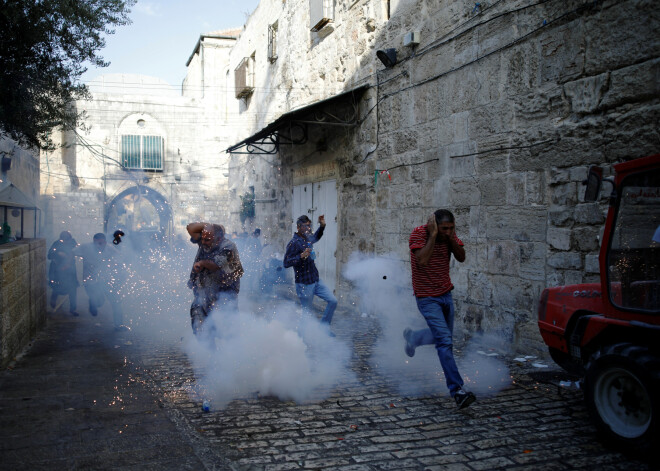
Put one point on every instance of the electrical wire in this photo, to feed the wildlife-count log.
(545, 23)
(240, 117)
(582, 7)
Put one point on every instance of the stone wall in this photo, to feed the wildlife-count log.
(499, 122)
(22, 295)
(495, 115)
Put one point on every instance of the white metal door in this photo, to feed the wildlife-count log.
(302, 203)
(314, 199)
(325, 202)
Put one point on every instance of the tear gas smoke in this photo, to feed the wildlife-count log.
(265, 348)
(286, 356)
(155, 298)
(385, 290)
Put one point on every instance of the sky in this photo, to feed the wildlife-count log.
(163, 35)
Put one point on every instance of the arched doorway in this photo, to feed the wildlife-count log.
(143, 214)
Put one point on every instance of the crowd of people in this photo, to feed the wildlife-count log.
(102, 274)
(217, 271)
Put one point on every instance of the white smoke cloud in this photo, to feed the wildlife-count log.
(285, 356)
(384, 286)
(265, 348)
(268, 349)
(155, 298)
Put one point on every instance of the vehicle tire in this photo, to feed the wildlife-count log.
(622, 395)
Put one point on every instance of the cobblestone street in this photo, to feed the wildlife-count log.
(533, 424)
(126, 402)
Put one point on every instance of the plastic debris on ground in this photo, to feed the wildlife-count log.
(493, 354)
(570, 384)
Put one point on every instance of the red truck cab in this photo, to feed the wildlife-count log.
(609, 332)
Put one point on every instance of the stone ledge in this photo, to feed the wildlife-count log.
(22, 301)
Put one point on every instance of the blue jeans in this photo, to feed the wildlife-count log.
(439, 314)
(306, 295)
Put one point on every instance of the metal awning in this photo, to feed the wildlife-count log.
(291, 127)
(12, 197)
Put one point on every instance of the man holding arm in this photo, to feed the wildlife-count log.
(216, 273)
(431, 247)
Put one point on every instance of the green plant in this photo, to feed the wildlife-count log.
(6, 233)
(45, 47)
(247, 207)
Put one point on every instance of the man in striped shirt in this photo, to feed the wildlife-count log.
(431, 247)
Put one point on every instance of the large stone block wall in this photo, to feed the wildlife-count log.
(496, 115)
(79, 212)
(22, 295)
(499, 125)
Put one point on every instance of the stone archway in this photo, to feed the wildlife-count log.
(143, 214)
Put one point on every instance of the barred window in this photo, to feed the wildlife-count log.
(272, 42)
(142, 152)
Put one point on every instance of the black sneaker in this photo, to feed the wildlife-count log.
(464, 398)
(409, 347)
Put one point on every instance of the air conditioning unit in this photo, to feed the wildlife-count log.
(321, 12)
(244, 78)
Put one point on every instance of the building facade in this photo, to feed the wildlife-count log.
(493, 110)
(148, 159)
(375, 113)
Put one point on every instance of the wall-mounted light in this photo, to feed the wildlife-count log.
(387, 57)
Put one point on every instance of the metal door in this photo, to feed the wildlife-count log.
(302, 203)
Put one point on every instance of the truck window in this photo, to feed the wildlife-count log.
(634, 254)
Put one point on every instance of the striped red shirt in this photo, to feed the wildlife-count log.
(433, 279)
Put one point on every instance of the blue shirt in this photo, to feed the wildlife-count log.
(304, 268)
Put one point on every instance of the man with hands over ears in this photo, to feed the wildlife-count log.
(431, 248)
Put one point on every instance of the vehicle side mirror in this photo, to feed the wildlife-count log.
(593, 182)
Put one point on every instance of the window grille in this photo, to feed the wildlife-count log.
(272, 42)
(142, 152)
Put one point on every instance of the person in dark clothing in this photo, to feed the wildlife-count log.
(216, 273)
(103, 277)
(62, 274)
(300, 255)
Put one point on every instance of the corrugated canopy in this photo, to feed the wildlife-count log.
(324, 112)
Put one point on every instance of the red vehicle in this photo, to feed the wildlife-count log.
(609, 332)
